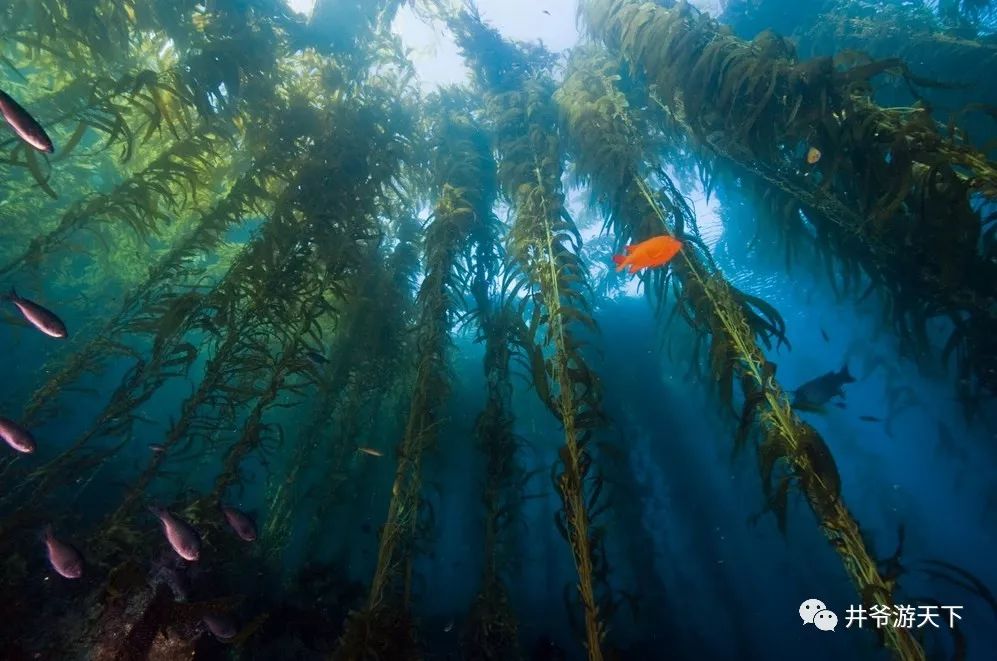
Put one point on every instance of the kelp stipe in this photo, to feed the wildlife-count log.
(459, 161)
(491, 631)
(550, 286)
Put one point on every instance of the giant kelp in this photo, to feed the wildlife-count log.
(911, 31)
(368, 342)
(618, 162)
(243, 314)
(543, 247)
(491, 631)
(458, 160)
(233, 216)
(892, 191)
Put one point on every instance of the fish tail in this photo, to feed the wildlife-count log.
(157, 510)
(845, 373)
(618, 260)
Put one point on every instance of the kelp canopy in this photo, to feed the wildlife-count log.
(367, 315)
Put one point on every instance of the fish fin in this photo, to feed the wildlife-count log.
(845, 374)
(618, 260)
(634, 268)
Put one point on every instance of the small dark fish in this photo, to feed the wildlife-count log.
(546, 12)
(221, 626)
(366, 528)
(24, 125)
(817, 392)
(156, 447)
(870, 418)
(449, 627)
(840, 405)
(16, 436)
(180, 534)
(64, 558)
(316, 357)
(823, 334)
(39, 317)
(240, 522)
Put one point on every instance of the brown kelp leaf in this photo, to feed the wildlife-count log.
(752, 399)
(822, 483)
(36, 172)
(73, 141)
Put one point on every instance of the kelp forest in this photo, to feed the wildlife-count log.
(637, 349)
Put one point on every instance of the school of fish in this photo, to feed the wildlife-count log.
(65, 559)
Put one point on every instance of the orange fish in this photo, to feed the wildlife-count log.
(657, 251)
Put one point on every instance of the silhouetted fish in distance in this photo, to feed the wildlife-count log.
(814, 394)
(41, 318)
(24, 125)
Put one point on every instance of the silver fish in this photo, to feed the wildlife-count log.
(180, 534)
(240, 522)
(24, 125)
(16, 436)
(39, 317)
(221, 626)
(64, 558)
